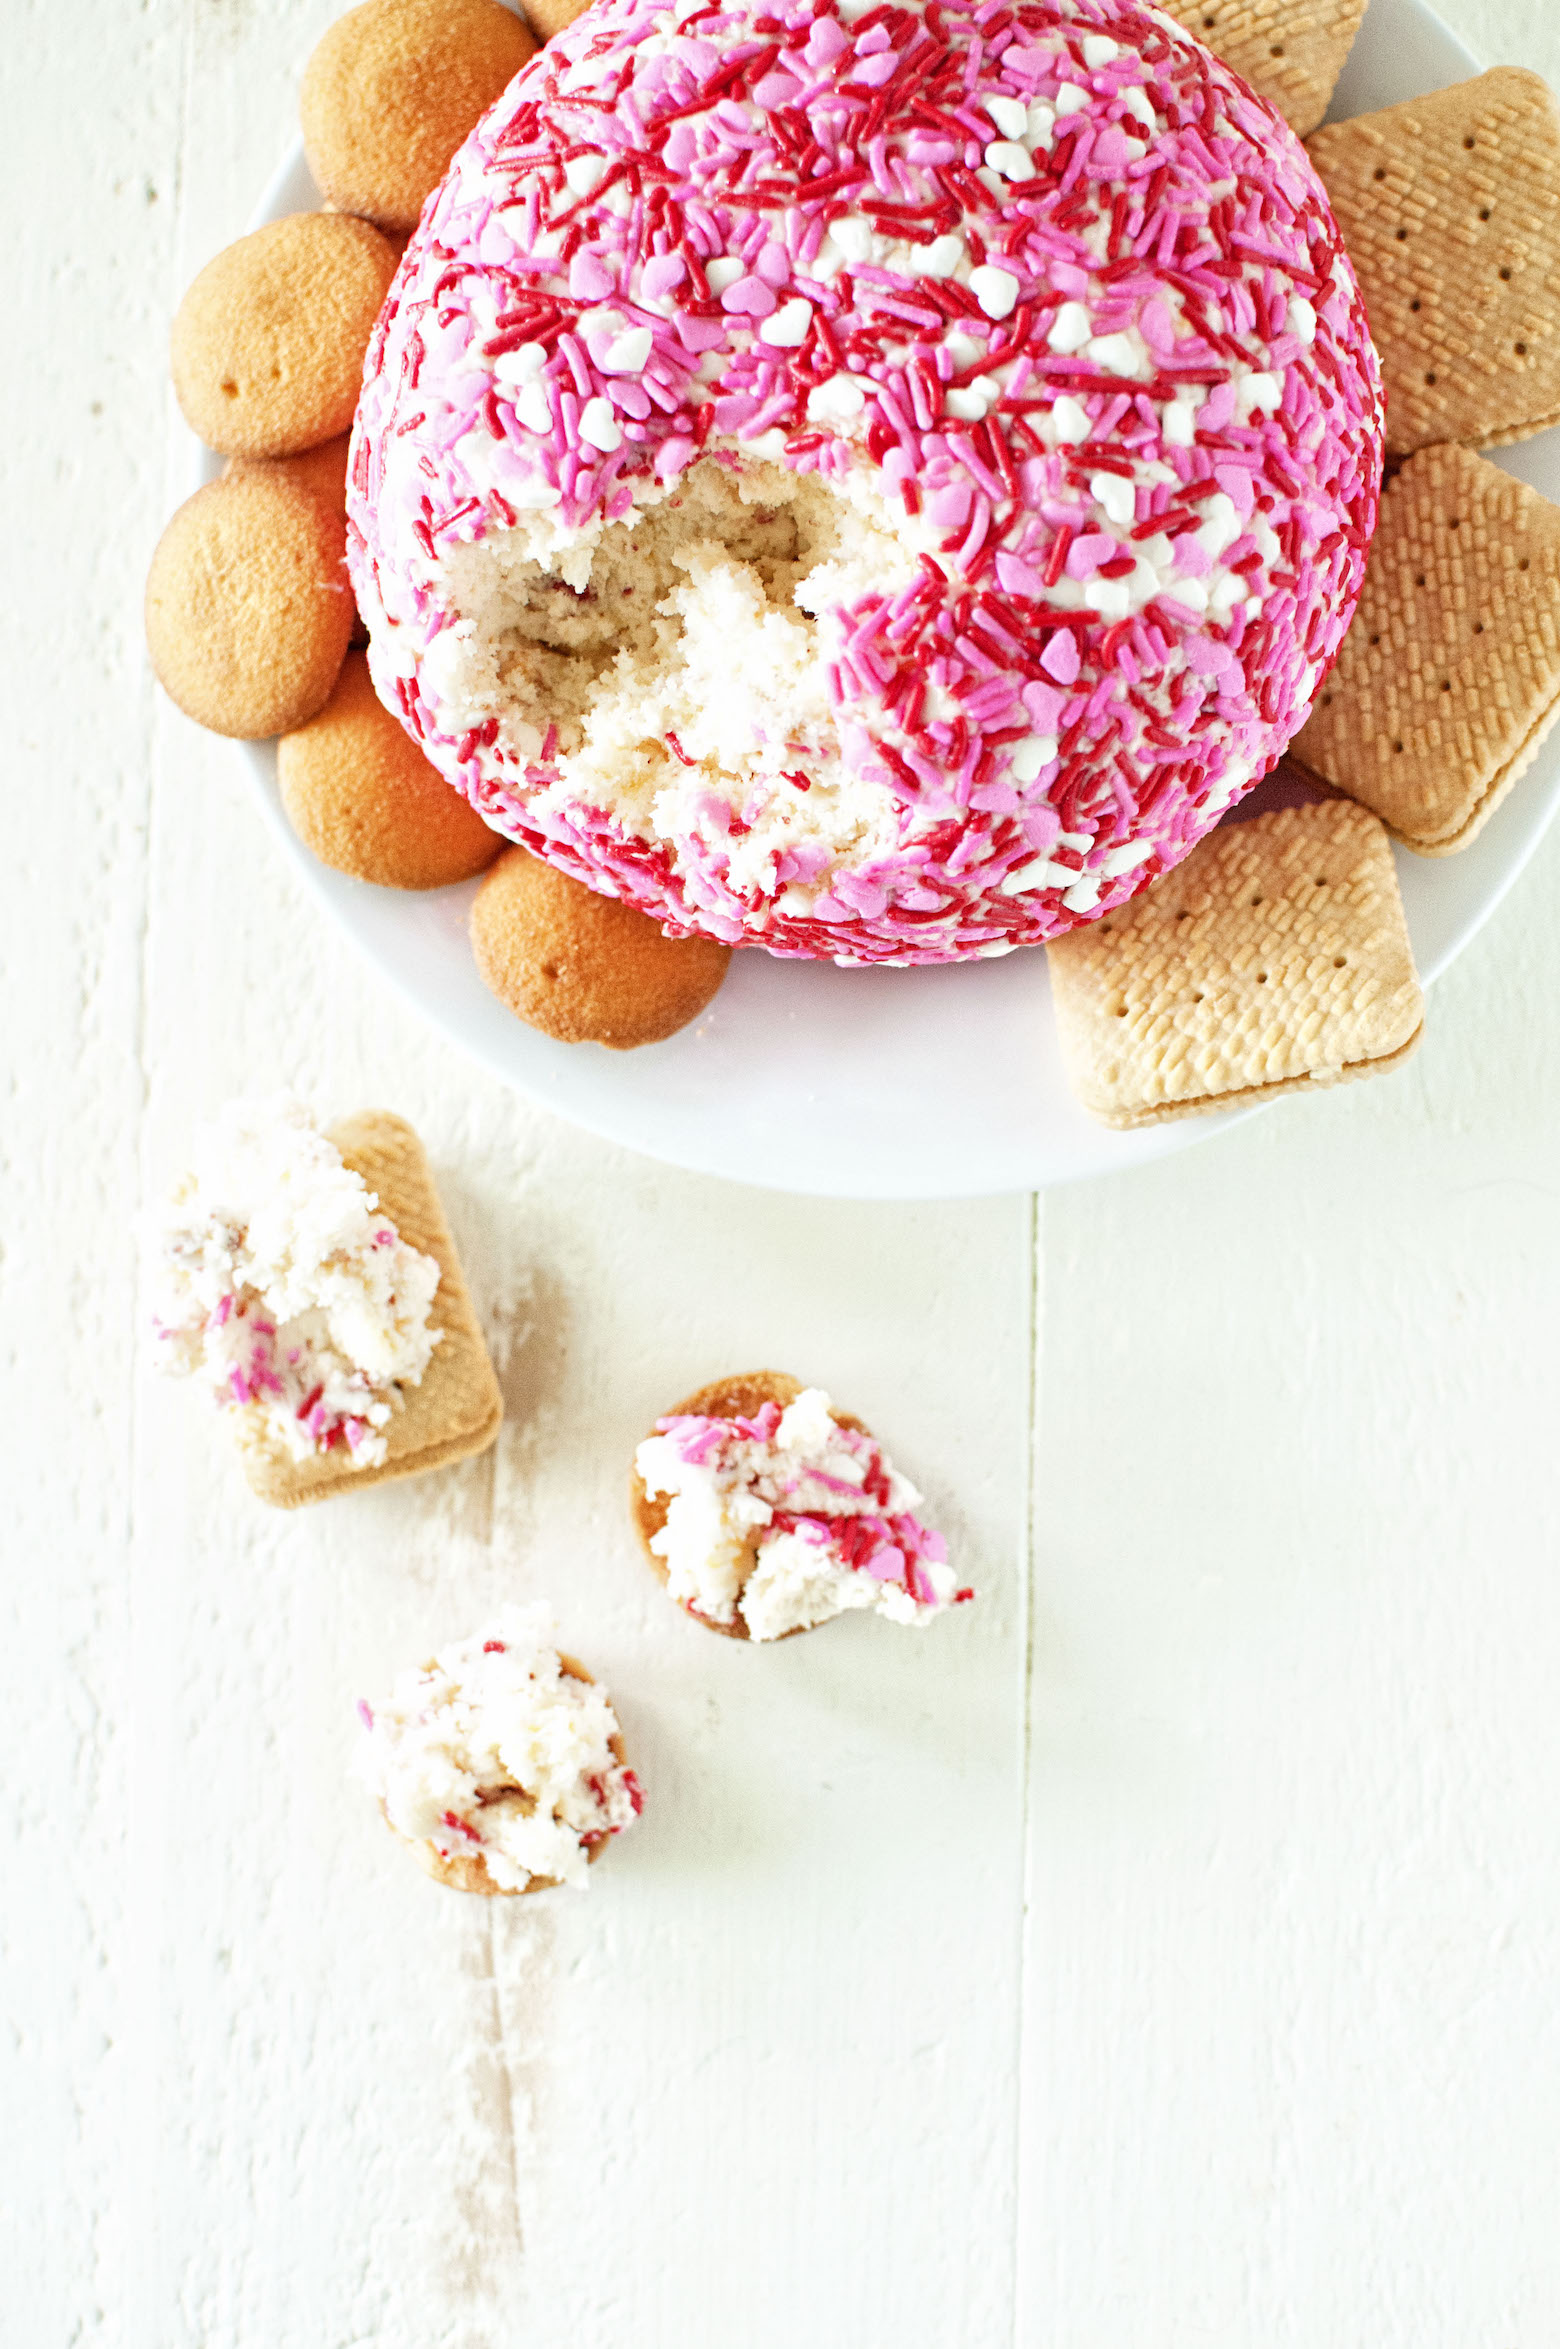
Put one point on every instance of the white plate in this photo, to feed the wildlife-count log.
(924, 1084)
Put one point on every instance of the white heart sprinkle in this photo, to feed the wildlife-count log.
(1118, 497)
(627, 353)
(940, 258)
(1071, 328)
(1039, 873)
(1071, 100)
(1125, 859)
(1098, 50)
(532, 409)
(1010, 161)
(520, 366)
(1118, 354)
(585, 173)
(971, 401)
(995, 289)
(853, 235)
(723, 271)
(599, 426)
(789, 326)
(836, 403)
(1026, 759)
(1070, 419)
(1010, 115)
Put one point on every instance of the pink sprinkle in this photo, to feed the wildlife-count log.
(1060, 657)
(662, 274)
(588, 279)
(748, 298)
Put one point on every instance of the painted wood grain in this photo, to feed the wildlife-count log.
(1262, 1911)
(1291, 2041)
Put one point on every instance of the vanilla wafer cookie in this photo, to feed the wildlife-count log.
(248, 607)
(1449, 677)
(765, 1512)
(1291, 51)
(1275, 957)
(546, 17)
(393, 88)
(268, 342)
(500, 1762)
(1450, 210)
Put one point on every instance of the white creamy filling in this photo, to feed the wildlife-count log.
(283, 1286)
(681, 658)
(493, 1749)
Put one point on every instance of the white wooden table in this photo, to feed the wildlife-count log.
(1166, 1952)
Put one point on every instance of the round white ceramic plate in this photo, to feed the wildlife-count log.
(920, 1084)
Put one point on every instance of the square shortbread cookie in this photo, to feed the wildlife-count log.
(1275, 957)
(1449, 677)
(1291, 51)
(457, 1410)
(1450, 210)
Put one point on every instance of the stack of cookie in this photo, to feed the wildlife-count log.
(1276, 957)
(249, 613)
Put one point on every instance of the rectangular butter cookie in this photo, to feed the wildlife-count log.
(1450, 212)
(457, 1409)
(1275, 957)
(1291, 51)
(1449, 677)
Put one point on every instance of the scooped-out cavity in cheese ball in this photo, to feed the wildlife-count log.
(875, 484)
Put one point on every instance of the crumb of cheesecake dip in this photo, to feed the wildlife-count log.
(500, 1761)
(284, 1287)
(768, 1512)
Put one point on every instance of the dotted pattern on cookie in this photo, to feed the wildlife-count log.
(1450, 208)
(391, 91)
(1276, 957)
(359, 793)
(248, 609)
(582, 967)
(1291, 51)
(268, 343)
(1449, 677)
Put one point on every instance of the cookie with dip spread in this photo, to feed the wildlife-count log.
(308, 1281)
(765, 1511)
(500, 1761)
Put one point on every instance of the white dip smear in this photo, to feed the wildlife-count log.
(284, 1288)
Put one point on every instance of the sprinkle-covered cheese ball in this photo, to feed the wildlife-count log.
(868, 483)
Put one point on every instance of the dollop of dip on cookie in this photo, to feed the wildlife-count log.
(495, 1749)
(874, 483)
(788, 1518)
(283, 1287)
